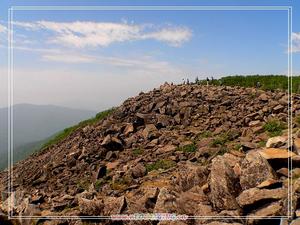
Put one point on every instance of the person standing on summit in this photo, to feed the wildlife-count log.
(207, 80)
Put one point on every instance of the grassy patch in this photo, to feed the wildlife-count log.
(297, 120)
(160, 164)
(222, 150)
(66, 132)
(217, 142)
(237, 147)
(83, 185)
(223, 138)
(137, 151)
(121, 183)
(206, 134)
(274, 127)
(262, 144)
(188, 148)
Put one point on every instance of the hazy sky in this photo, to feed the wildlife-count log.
(97, 59)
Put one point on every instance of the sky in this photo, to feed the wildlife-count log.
(96, 59)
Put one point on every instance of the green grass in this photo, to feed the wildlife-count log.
(262, 144)
(83, 185)
(121, 183)
(188, 148)
(274, 127)
(237, 147)
(68, 131)
(137, 151)
(220, 140)
(222, 150)
(297, 120)
(160, 164)
(206, 134)
(268, 82)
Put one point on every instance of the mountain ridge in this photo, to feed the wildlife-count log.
(35, 123)
(190, 149)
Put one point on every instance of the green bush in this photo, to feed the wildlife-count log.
(274, 127)
(221, 139)
(160, 164)
(137, 151)
(188, 148)
(206, 134)
(262, 144)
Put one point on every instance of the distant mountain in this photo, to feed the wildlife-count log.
(33, 124)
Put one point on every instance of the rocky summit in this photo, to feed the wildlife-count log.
(217, 154)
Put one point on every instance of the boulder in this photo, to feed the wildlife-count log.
(254, 195)
(194, 203)
(277, 142)
(254, 170)
(114, 205)
(296, 145)
(163, 120)
(91, 207)
(190, 175)
(166, 201)
(224, 185)
(150, 132)
(276, 153)
(128, 129)
(272, 209)
(112, 143)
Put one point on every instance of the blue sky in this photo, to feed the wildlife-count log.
(97, 59)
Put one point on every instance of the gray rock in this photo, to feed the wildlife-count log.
(224, 185)
(254, 195)
(254, 170)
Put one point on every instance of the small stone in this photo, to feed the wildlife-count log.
(166, 149)
(138, 171)
(263, 97)
(248, 146)
(150, 132)
(112, 143)
(128, 129)
(254, 123)
(112, 165)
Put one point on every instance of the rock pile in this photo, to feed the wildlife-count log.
(222, 153)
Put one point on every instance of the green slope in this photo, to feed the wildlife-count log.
(24, 151)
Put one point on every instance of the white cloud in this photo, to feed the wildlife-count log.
(68, 58)
(2, 28)
(101, 34)
(134, 64)
(174, 36)
(296, 42)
